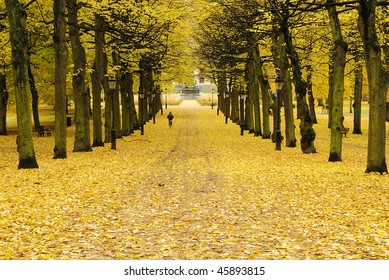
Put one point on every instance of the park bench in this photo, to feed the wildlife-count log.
(345, 131)
(42, 131)
(325, 109)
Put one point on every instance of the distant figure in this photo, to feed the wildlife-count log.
(170, 118)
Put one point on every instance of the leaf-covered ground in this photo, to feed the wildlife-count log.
(196, 191)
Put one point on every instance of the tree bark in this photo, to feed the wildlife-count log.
(34, 95)
(18, 36)
(274, 109)
(107, 101)
(142, 103)
(234, 101)
(3, 104)
(264, 84)
(253, 88)
(221, 89)
(146, 85)
(125, 84)
(133, 120)
(61, 62)
(97, 81)
(311, 98)
(81, 97)
(116, 99)
(275, 49)
(248, 115)
(376, 161)
(290, 137)
(257, 105)
(385, 71)
(357, 105)
(339, 63)
(330, 88)
(308, 135)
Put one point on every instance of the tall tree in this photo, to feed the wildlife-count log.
(376, 161)
(126, 84)
(264, 84)
(129, 86)
(34, 94)
(38, 32)
(282, 15)
(339, 51)
(383, 24)
(97, 81)
(358, 86)
(253, 85)
(3, 104)
(116, 99)
(281, 62)
(311, 98)
(355, 49)
(18, 35)
(81, 96)
(61, 61)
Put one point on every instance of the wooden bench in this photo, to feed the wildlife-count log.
(345, 131)
(325, 109)
(42, 131)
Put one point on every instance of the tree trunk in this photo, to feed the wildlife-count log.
(97, 82)
(108, 99)
(248, 107)
(307, 132)
(221, 89)
(264, 84)
(116, 99)
(133, 120)
(311, 98)
(376, 161)
(61, 63)
(385, 71)
(150, 89)
(248, 115)
(34, 95)
(253, 88)
(81, 98)
(234, 101)
(274, 109)
(3, 104)
(18, 36)
(142, 102)
(125, 84)
(330, 88)
(290, 137)
(275, 49)
(357, 105)
(146, 85)
(107, 102)
(339, 63)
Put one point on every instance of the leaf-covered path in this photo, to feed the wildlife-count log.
(197, 190)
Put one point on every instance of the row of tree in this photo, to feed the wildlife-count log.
(131, 41)
(141, 43)
(237, 40)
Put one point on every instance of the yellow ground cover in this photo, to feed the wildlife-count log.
(197, 190)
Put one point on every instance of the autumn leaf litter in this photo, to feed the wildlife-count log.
(196, 191)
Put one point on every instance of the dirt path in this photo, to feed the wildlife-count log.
(187, 162)
(182, 185)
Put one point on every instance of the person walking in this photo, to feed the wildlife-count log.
(170, 118)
